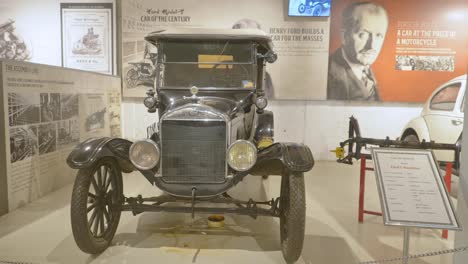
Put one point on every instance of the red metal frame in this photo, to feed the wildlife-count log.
(448, 183)
(362, 187)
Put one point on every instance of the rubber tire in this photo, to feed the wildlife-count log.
(79, 217)
(292, 218)
(411, 138)
(301, 9)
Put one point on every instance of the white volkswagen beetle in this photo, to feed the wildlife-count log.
(441, 118)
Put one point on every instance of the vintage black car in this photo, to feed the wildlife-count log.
(213, 131)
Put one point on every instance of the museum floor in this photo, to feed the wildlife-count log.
(40, 232)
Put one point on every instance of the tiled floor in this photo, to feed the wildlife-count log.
(41, 232)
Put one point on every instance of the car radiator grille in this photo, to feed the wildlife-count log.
(193, 151)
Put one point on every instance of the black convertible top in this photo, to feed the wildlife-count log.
(256, 35)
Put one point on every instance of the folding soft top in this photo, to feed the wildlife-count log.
(211, 34)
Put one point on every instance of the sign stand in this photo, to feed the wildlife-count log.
(412, 192)
(406, 245)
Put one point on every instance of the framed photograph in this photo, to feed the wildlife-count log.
(412, 191)
(87, 36)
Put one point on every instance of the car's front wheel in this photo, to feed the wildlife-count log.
(292, 216)
(95, 205)
(317, 10)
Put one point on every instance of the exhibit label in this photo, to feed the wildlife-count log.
(411, 189)
(47, 111)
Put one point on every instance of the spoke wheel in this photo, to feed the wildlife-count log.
(292, 216)
(132, 78)
(95, 206)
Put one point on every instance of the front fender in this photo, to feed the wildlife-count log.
(87, 153)
(277, 158)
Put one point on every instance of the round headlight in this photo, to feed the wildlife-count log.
(144, 154)
(261, 102)
(242, 155)
(150, 102)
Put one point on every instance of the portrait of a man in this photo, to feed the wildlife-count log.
(363, 29)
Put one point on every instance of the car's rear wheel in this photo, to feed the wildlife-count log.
(95, 206)
(301, 8)
(412, 138)
(292, 216)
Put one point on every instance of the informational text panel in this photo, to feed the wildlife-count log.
(412, 192)
(47, 110)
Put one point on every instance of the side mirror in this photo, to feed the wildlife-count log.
(271, 56)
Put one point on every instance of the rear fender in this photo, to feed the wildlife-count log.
(418, 125)
(281, 157)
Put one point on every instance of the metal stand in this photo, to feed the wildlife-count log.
(406, 245)
(362, 186)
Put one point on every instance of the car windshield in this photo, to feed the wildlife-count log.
(218, 64)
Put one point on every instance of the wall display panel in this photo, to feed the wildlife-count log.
(403, 59)
(87, 36)
(301, 42)
(46, 112)
(29, 31)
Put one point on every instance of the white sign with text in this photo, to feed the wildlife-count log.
(412, 192)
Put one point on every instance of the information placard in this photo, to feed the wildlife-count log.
(411, 189)
(45, 112)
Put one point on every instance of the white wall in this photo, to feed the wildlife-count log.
(319, 124)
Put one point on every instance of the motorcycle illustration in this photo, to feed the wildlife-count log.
(314, 7)
(141, 73)
(89, 44)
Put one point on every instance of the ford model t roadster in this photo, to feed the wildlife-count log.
(213, 131)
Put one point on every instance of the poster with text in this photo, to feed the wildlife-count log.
(47, 112)
(300, 42)
(87, 36)
(393, 51)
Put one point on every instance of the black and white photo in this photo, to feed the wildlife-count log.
(47, 138)
(50, 107)
(68, 132)
(424, 63)
(69, 105)
(23, 108)
(12, 45)
(23, 143)
(95, 111)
